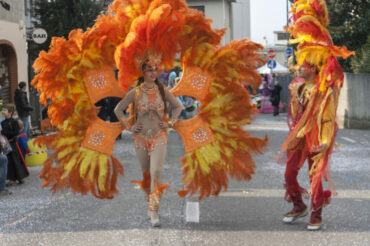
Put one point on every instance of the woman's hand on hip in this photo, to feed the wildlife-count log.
(163, 125)
(137, 127)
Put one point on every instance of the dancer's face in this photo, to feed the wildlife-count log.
(306, 71)
(150, 73)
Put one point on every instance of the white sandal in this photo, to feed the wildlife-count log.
(154, 218)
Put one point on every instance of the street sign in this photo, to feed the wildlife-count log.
(39, 35)
(289, 51)
(271, 64)
(271, 54)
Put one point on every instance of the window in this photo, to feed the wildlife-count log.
(200, 8)
(283, 36)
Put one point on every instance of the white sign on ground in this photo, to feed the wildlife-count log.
(192, 212)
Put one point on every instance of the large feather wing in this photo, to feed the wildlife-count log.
(62, 78)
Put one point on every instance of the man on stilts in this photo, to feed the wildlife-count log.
(314, 98)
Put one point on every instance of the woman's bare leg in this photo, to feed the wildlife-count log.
(142, 155)
(157, 158)
(143, 158)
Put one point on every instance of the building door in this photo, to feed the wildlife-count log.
(8, 74)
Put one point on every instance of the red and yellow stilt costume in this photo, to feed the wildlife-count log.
(313, 105)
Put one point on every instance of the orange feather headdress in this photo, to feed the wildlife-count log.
(152, 38)
(315, 45)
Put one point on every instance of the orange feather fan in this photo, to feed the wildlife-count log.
(60, 78)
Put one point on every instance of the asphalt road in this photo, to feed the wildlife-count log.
(249, 213)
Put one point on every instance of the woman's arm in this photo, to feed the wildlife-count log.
(122, 105)
(177, 107)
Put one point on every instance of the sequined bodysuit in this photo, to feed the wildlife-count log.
(149, 108)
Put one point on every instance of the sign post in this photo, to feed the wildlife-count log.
(271, 54)
(39, 35)
(288, 52)
(271, 64)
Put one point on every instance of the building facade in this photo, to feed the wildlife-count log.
(234, 15)
(13, 48)
(280, 45)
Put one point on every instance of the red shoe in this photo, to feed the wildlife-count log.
(299, 210)
(315, 221)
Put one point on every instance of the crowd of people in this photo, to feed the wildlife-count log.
(13, 141)
(190, 105)
(267, 97)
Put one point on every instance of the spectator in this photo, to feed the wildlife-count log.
(106, 108)
(3, 166)
(17, 169)
(113, 101)
(163, 78)
(275, 97)
(190, 105)
(171, 80)
(103, 106)
(23, 107)
(22, 140)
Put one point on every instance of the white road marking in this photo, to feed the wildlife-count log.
(348, 139)
(347, 194)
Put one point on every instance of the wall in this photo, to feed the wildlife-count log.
(353, 107)
(11, 34)
(279, 51)
(15, 14)
(284, 81)
(219, 12)
(241, 19)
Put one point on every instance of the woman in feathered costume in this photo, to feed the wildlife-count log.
(149, 100)
(313, 103)
(139, 37)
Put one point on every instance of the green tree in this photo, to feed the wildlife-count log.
(59, 17)
(349, 25)
(361, 62)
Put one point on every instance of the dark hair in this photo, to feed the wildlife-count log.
(22, 84)
(10, 107)
(156, 81)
